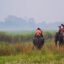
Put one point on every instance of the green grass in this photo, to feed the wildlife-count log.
(49, 54)
(23, 53)
(34, 57)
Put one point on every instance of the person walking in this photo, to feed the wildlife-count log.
(38, 39)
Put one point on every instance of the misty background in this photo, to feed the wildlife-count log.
(18, 15)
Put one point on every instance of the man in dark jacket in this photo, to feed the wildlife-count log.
(38, 39)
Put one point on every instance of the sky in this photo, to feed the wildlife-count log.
(40, 10)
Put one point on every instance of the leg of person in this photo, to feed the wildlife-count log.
(41, 42)
(35, 41)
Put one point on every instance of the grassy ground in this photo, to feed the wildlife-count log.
(25, 53)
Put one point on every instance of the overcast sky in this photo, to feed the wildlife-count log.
(40, 10)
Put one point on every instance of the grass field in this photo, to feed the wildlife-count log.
(25, 53)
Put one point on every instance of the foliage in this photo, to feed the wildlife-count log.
(26, 53)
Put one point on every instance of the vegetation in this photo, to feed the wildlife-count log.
(24, 52)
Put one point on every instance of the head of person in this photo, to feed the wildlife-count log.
(38, 28)
(62, 25)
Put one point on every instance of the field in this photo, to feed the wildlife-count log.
(25, 52)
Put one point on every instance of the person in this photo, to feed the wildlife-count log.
(38, 39)
(59, 36)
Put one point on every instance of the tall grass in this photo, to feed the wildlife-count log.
(26, 53)
(11, 49)
(28, 47)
